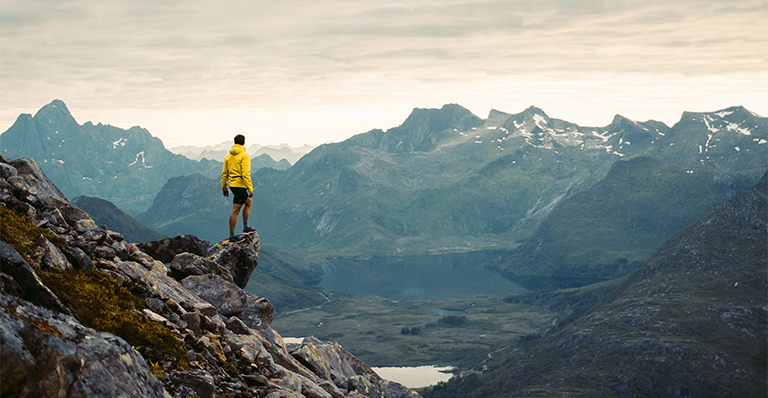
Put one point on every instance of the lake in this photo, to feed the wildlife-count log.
(410, 376)
(415, 376)
(414, 278)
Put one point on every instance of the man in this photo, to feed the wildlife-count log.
(237, 172)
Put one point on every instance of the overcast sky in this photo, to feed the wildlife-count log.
(197, 72)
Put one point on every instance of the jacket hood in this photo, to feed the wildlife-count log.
(237, 149)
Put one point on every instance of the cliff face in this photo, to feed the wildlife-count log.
(84, 313)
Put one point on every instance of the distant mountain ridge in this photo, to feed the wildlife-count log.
(125, 167)
(215, 152)
(105, 213)
(448, 181)
(444, 181)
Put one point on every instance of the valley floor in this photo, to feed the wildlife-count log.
(452, 332)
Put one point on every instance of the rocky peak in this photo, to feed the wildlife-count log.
(66, 285)
(425, 127)
(57, 114)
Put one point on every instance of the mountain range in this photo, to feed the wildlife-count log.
(125, 167)
(446, 181)
(282, 152)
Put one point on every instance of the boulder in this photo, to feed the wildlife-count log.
(186, 264)
(77, 257)
(165, 250)
(255, 312)
(156, 283)
(240, 258)
(48, 354)
(33, 289)
(53, 258)
(223, 295)
(258, 313)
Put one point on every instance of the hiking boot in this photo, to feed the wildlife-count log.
(249, 229)
(234, 239)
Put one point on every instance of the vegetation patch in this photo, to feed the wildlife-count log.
(95, 299)
(22, 235)
(98, 302)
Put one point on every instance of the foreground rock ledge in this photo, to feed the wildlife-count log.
(192, 289)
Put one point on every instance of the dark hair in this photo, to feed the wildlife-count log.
(240, 139)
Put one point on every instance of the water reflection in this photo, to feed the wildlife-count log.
(415, 376)
(427, 277)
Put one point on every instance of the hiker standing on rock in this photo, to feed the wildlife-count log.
(237, 172)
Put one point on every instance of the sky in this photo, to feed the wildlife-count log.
(196, 72)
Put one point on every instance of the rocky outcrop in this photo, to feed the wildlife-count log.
(193, 291)
(165, 250)
(23, 280)
(50, 354)
(240, 258)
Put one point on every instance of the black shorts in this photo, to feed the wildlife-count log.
(241, 195)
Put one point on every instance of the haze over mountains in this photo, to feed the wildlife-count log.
(444, 181)
(126, 167)
(217, 152)
(449, 181)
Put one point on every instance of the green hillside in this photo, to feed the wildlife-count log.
(609, 229)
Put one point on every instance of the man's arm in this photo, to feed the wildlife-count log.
(247, 174)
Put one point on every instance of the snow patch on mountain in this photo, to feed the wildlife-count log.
(739, 129)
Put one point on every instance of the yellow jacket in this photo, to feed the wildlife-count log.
(237, 169)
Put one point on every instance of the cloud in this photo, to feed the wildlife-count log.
(303, 57)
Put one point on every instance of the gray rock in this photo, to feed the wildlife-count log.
(61, 358)
(156, 305)
(104, 252)
(258, 313)
(8, 285)
(193, 322)
(199, 381)
(214, 289)
(33, 289)
(186, 264)
(206, 309)
(84, 225)
(53, 258)
(156, 282)
(78, 258)
(165, 250)
(237, 326)
(120, 250)
(240, 258)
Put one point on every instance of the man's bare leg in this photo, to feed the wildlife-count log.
(233, 218)
(246, 212)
